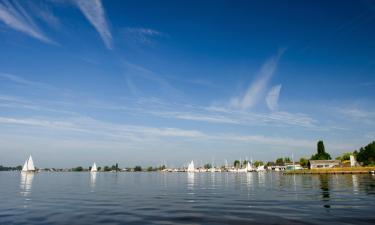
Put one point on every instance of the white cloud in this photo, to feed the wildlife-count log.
(142, 35)
(272, 98)
(94, 12)
(256, 90)
(16, 17)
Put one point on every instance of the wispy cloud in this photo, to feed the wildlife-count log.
(142, 35)
(272, 98)
(92, 126)
(17, 18)
(224, 116)
(134, 72)
(359, 115)
(45, 13)
(256, 90)
(95, 14)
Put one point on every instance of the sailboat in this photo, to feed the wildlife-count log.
(93, 168)
(191, 167)
(29, 165)
(260, 169)
(249, 167)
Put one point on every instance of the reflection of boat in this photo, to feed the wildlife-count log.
(191, 168)
(26, 183)
(92, 179)
(190, 182)
(93, 168)
(29, 165)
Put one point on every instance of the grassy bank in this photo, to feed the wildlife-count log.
(338, 170)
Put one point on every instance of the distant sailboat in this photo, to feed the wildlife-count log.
(191, 167)
(29, 165)
(260, 169)
(93, 168)
(249, 167)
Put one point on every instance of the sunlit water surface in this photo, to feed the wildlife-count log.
(181, 198)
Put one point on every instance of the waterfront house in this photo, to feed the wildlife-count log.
(293, 166)
(320, 164)
(275, 167)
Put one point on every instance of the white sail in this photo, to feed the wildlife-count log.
(29, 165)
(24, 168)
(191, 167)
(93, 168)
(249, 168)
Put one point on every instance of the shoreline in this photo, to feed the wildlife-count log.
(341, 170)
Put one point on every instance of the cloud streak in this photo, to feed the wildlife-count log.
(272, 98)
(94, 12)
(140, 133)
(15, 16)
(256, 90)
(142, 35)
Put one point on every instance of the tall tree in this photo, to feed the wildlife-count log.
(321, 149)
(321, 153)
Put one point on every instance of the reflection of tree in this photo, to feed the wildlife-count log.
(324, 186)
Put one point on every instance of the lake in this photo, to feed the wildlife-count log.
(182, 198)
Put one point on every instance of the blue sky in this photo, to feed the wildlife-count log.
(151, 82)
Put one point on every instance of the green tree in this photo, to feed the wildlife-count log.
(19, 167)
(137, 168)
(366, 155)
(287, 160)
(258, 163)
(236, 163)
(99, 168)
(207, 166)
(107, 168)
(280, 161)
(321, 153)
(344, 156)
(149, 169)
(78, 169)
(162, 167)
(303, 162)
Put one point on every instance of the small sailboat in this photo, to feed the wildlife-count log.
(191, 167)
(249, 167)
(29, 165)
(260, 169)
(93, 168)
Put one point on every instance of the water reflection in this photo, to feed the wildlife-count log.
(92, 179)
(25, 186)
(324, 186)
(249, 179)
(190, 181)
(261, 178)
(355, 183)
(26, 183)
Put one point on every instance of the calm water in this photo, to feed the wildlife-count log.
(181, 198)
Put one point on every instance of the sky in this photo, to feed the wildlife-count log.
(166, 82)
